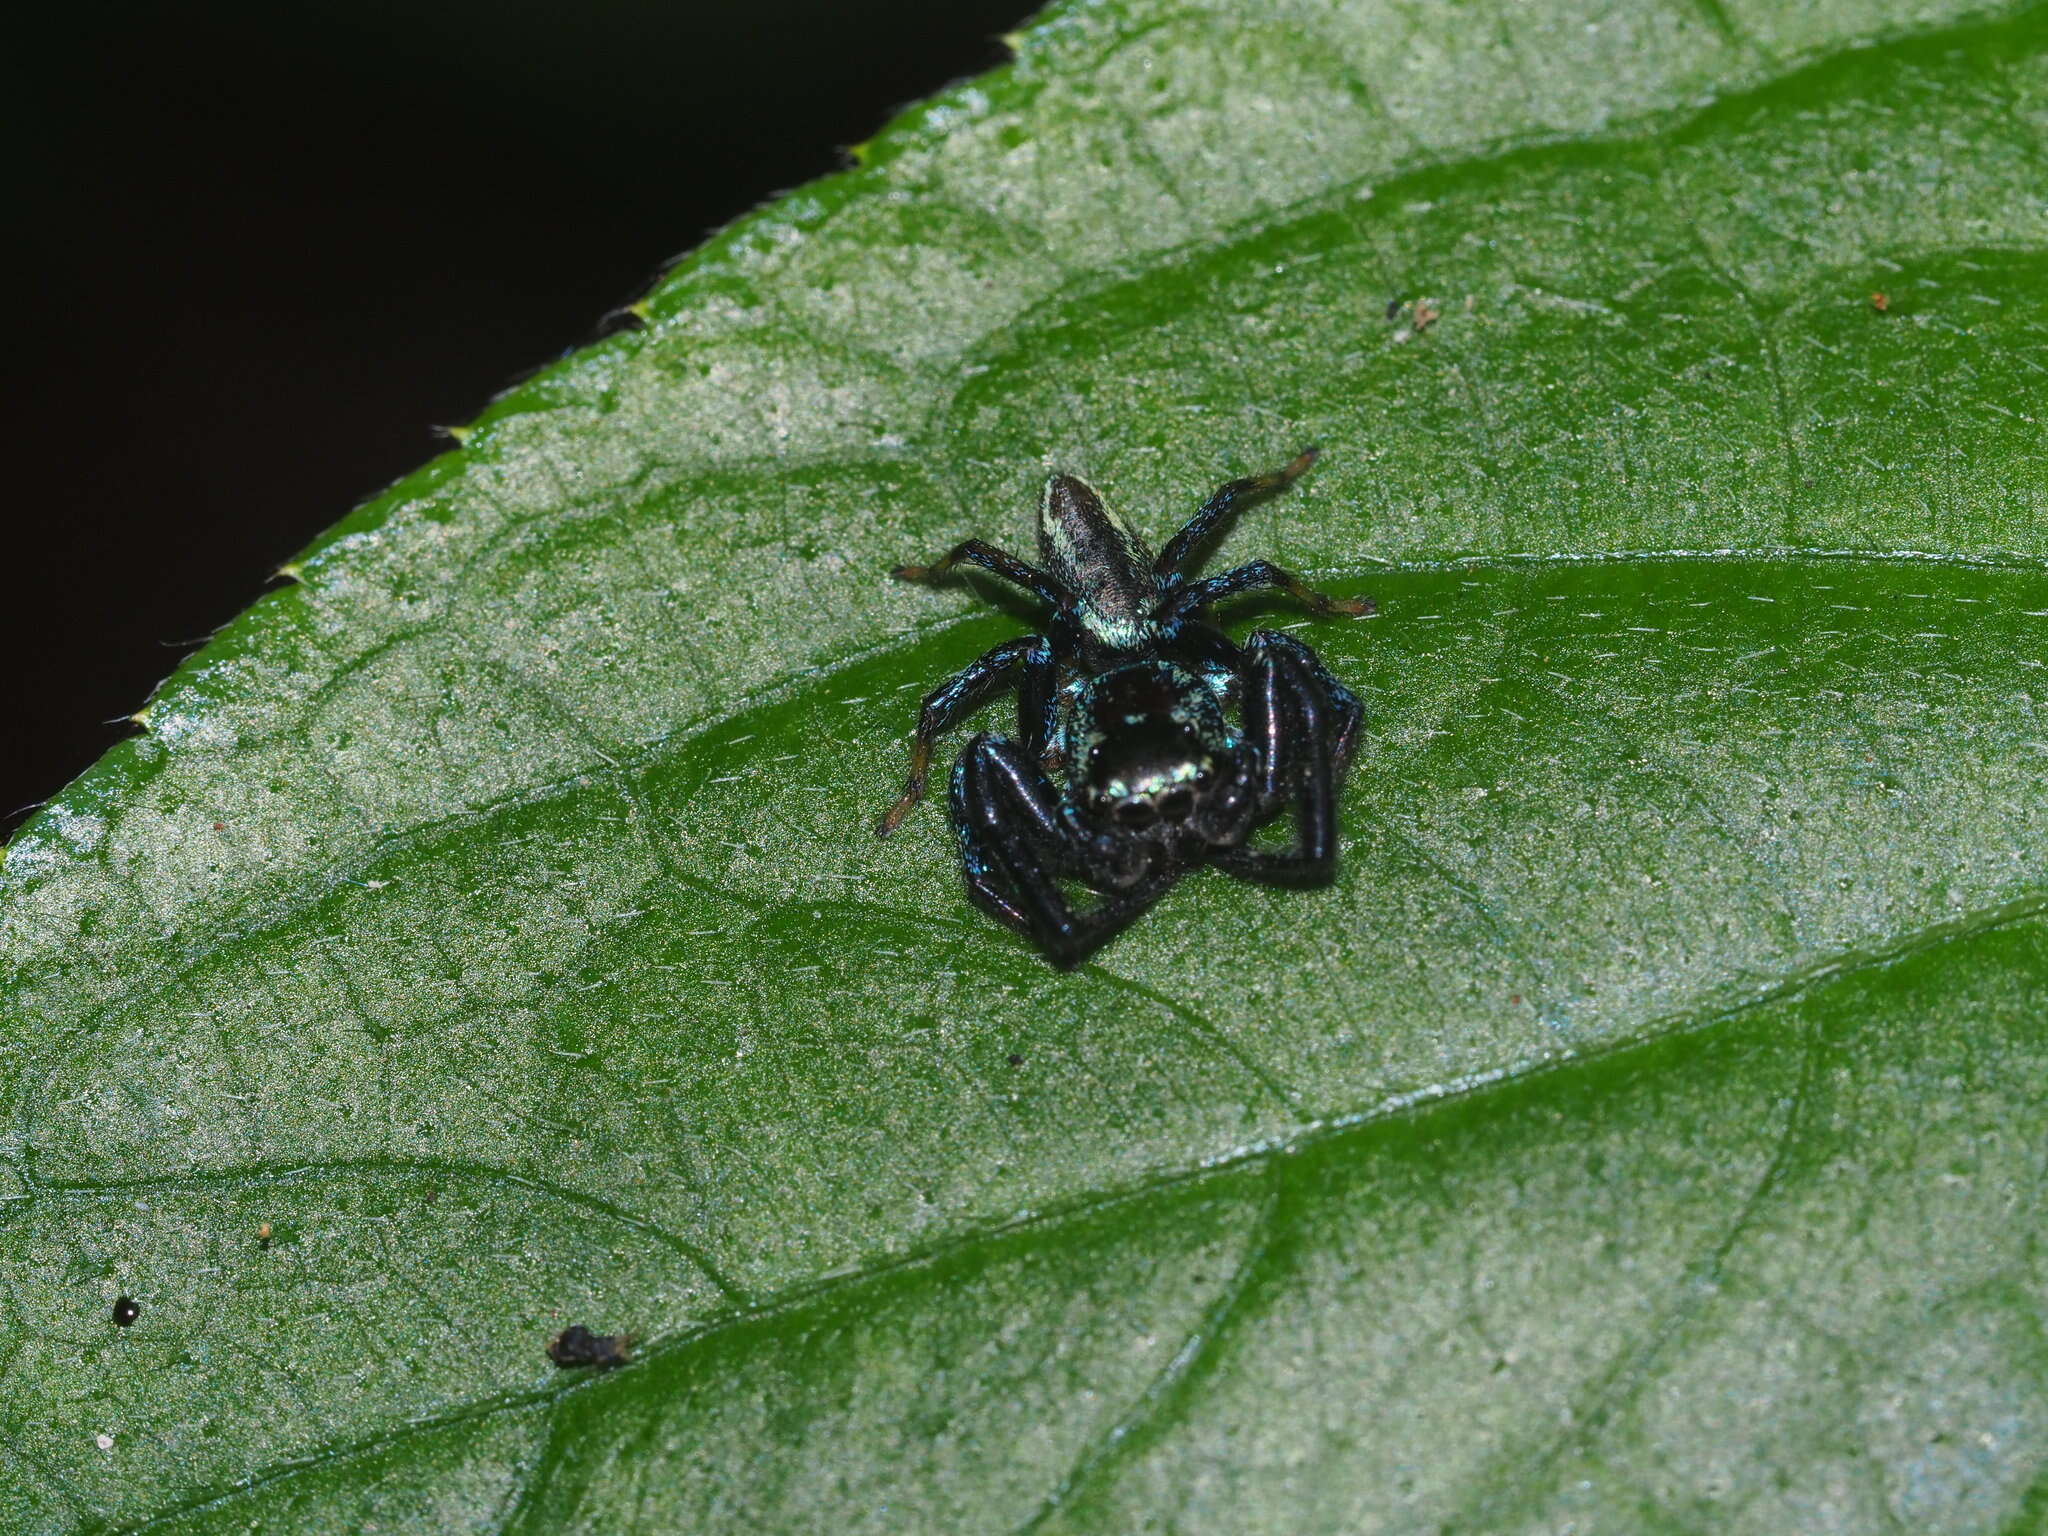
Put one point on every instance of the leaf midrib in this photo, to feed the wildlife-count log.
(621, 772)
(318, 885)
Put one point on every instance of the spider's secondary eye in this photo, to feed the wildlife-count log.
(1135, 814)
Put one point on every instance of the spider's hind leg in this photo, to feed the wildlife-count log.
(1017, 840)
(1301, 723)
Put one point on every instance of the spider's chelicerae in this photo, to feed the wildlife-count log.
(1128, 697)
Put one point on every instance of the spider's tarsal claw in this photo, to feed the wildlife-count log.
(912, 572)
(1356, 607)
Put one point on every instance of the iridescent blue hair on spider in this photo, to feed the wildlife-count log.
(1148, 742)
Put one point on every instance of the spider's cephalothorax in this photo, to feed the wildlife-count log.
(1128, 698)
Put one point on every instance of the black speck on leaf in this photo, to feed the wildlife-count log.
(577, 1346)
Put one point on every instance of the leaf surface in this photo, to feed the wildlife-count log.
(485, 935)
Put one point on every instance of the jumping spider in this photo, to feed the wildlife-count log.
(1126, 695)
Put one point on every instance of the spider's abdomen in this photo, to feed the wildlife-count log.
(1101, 559)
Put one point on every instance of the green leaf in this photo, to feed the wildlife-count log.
(485, 935)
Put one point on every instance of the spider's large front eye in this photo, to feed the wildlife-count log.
(1176, 804)
(1136, 814)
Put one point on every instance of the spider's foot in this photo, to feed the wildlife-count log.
(913, 790)
(1279, 479)
(1298, 465)
(1322, 602)
(893, 817)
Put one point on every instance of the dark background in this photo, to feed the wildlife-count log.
(271, 248)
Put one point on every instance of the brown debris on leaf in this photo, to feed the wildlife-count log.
(1421, 315)
(1880, 303)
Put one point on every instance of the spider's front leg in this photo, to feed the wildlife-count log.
(1301, 724)
(997, 562)
(1017, 839)
(1029, 662)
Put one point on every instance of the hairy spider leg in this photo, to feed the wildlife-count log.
(1259, 573)
(1302, 724)
(1181, 549)
(1016, 839)
(1028, 663)
(976, 552)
